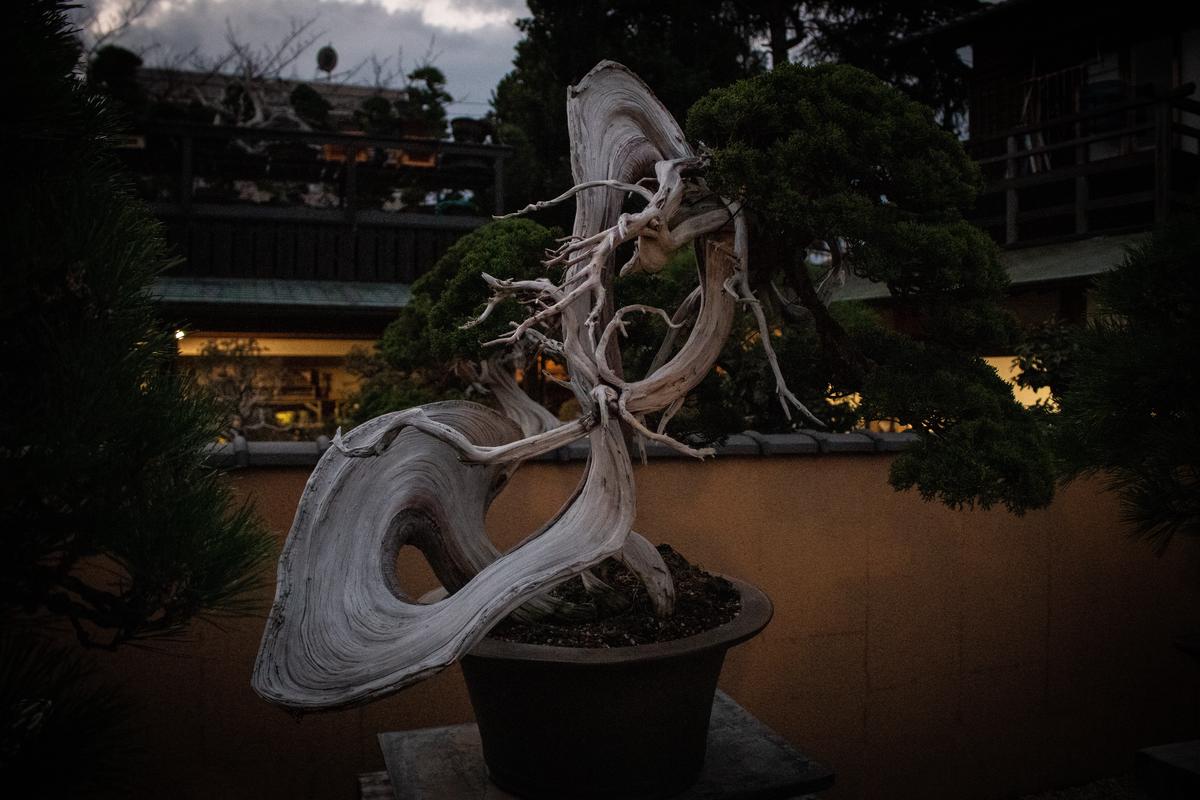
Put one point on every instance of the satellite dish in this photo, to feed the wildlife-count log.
(327, 59)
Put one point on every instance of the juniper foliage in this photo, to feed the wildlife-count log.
(421, 347)
(1127, 386)
(831, 152)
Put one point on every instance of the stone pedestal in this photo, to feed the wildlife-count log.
(745, 759)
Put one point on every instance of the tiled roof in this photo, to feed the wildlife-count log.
(241, 453)
(275, 292)
(1030, 265)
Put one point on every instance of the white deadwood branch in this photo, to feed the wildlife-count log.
(532, 417)
(739, 286)
(364, 443)
(643, 560)
(574, 190)
(341, 630)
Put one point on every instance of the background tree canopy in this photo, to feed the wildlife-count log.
(832, 153)
(683, 49)
(1127, 386)
(886, 38)
(680, 48)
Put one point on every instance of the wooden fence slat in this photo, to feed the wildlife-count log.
(386, 259)
(365, 264)
(306, 253)
(327, 253)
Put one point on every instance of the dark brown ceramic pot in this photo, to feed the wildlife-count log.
(623, 722)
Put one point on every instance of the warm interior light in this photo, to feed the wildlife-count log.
(275, 346)
(1007, 369)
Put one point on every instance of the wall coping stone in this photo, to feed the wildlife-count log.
(842, 442)
(240, 453)
(893, 442)
(785, 444)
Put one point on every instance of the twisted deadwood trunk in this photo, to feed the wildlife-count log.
(341, 631)
(496, 376)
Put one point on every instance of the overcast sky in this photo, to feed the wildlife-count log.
(472, 40)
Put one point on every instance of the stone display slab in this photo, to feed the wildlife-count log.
(1169, 771)
(746, 760)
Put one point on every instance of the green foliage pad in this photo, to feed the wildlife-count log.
(829, 152)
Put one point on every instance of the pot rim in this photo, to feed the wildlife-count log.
(755, 613)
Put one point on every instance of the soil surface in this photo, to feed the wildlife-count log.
(702, 602)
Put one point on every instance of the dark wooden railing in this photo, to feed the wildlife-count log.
(1117, 168)
(252, 203)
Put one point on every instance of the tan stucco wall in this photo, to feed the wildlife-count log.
(921, 652)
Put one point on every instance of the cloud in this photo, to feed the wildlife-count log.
(471, 41)
(458, 15)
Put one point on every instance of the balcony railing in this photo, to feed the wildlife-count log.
(252, 203)
(1122, 167)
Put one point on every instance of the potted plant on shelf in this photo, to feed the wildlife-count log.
(343, 632)
(422, 110)
(469, 130)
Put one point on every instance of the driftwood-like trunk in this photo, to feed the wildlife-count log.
(341, 630)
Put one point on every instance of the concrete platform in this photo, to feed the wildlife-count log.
(1169, 771)
(746, 760)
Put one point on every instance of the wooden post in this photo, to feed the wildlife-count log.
(1010, 195)
(1162, 161)
(350, 184)
(346, 247)
(185, 176)
(498, 185)
(1081, 184)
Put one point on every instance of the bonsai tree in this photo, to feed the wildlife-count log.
(424, 101)
(1125, 397)
(311, 107)
(421, 111)
(241, 382)
(376, 116)
(783, 162)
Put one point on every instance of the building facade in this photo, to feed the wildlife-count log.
(1085, 121)
(297, 245)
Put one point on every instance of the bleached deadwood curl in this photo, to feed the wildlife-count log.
(684, 370)
(341, 631)
(617, 323)
(532, 417)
